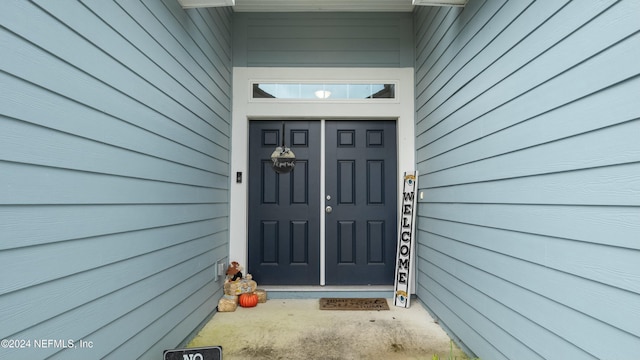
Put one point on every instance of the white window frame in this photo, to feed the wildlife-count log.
(329, 99)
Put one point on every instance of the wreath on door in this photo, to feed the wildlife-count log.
(282, 158)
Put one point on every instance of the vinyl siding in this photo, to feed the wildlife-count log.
(527, 145)
(114, 173)
(323, 39)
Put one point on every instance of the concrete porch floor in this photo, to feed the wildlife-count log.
(298, 329)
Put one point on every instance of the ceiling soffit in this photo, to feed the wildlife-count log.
(320, 5)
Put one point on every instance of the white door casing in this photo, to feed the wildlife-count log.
(245, 108)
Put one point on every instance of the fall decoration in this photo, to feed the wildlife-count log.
(248, 300)
(228, 303)
(240, 290)
(262, 295)
(239, 287)
(234, 271)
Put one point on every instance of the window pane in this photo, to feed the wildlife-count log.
(264, 91)
(359, 91)
(322, 91)
(307, 91)
(288, 91)
(386, 91)
(336, 91)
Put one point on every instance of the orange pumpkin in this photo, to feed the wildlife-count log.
(248, 300)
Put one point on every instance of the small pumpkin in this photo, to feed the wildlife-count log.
(248, 300)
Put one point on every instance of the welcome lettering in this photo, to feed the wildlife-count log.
(403, 259)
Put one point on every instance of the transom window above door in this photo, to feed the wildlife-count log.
(323, 91)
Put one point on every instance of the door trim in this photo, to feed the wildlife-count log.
(244, 110)
(323, 194)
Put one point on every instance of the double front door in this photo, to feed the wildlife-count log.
(356, 202)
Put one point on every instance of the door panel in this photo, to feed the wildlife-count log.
(361, 168)
(284, 209)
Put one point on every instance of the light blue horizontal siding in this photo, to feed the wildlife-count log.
(323, 39)
(85, 221)
(114, 173)
(527, 125)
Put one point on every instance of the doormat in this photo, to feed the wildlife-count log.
(353, 304)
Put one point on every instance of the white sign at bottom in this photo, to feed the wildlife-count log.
(406, 245)
(203, 353)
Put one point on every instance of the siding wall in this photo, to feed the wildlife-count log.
(322, 39)
(114, 173)
(528, 125)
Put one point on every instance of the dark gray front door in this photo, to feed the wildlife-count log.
(361, 193)
(284, 209)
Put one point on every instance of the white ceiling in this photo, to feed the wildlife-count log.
(316, 5)
(322, 5)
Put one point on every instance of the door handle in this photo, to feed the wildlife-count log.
(328, 209)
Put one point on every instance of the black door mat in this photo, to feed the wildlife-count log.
(353, 304)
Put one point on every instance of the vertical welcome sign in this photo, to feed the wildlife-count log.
(404, 256)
